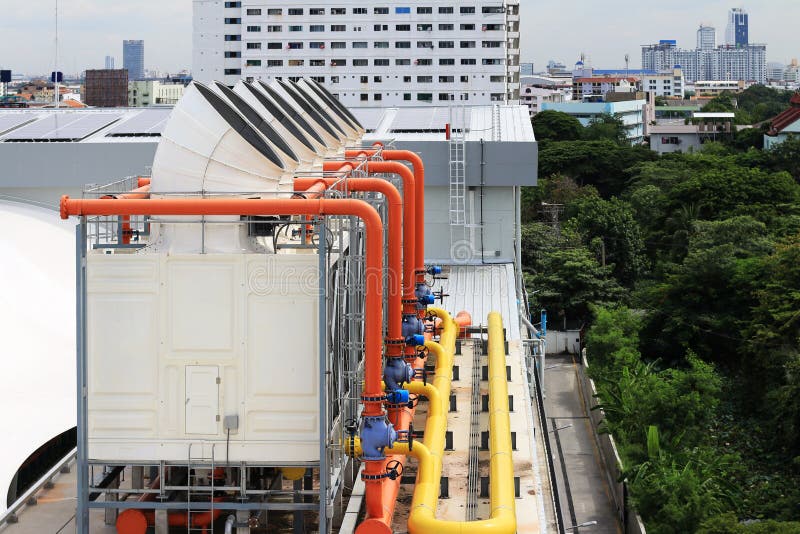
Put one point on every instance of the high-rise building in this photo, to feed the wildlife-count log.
(367, 53)
(133, 58)
(748, 63)
(106, 88)
(526, 69)
(109, 62)
(706, 38)
(737, 31)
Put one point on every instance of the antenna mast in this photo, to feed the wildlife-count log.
(55, 70)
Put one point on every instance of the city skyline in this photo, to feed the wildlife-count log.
(91, 29)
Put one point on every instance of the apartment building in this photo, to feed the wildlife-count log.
(670, 84)
(748, 62)
(406, 53)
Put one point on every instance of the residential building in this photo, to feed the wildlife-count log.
(143, 93)
(632, 113)
(109, 62)
(133, 58)
(535, 97)
(435, 51)
(526, 69)
(712, 88)
(106, 88)
(677, 137)
(775, 71)
(748, 63)
(737, 31)
(706, 38)
(670, 84)
(600, 85)
(784, 125)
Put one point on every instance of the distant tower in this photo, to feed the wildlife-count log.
(109, 62)
(737, 33)
(706, 38)
(133, 59)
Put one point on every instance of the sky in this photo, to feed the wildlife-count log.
(603, 30)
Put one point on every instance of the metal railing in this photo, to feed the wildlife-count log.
(11, 515)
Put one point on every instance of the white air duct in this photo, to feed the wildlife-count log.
(332, 112)
(288, 98)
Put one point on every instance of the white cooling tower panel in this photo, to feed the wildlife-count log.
(178, 342)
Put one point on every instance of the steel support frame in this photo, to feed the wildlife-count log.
(82, 463)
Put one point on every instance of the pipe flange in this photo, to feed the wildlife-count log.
(400, 342)
(379, 398)
(365, 477)
(410, 301)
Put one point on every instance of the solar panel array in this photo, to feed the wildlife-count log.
(63, 127)
(425, 120)
(149, 123)
(369, 118)
(9, 121)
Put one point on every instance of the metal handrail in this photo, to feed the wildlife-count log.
(10, 515)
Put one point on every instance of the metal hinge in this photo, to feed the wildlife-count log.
(217, 418)
(219, 380)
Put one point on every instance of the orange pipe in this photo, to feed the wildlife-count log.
(240, 206)
(410, 215)
(419, 178)
(141, 182)
(395, 205)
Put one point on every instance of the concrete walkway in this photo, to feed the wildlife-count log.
(582, 486)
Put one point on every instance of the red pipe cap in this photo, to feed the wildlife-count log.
(131, 522)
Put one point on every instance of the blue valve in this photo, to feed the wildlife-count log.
(396, 373)
(398, 396)
(412, 325)
(416, 340)
(434, 270)
(427, 300)
(376, 435)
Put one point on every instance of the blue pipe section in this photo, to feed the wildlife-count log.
(376, 434)
(412, 326)
(396, 373)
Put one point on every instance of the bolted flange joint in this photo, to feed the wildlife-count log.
(376, 434)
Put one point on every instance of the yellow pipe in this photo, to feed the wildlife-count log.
(422, 519)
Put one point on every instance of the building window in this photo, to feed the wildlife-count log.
(446, 79)
(360, 62)
(364, 97)
(274, 63)
(377, 79)
(497, 79)
(425, 44)
(253, 63)
(338, 27)
(316, 11)
(467, 44)
(338, 11)
(406, 96)
(446, 96)
(274, 46)
(317, 28)
(233, 72)
(233, 4)
(381, 10)
(381, 27)
(316, 62)
(274, 29)
(359, 11)
(424, 62)
(424, 27)
(338, 45)
(295, 10)
(402, 44)
(402, 62)
(446, 27)
(492, 44)
(381, 62)
(446, 44)
(490, 61)
(406, 79)
(254, 46)
(233, 37)
(316, 45)
(364, 79)
(381, 44)
(378, 96)
(493, 10)
(296, 62)
(447, 61)
(425, 97)
(360, 44)
(466, 10)
(424, 79)
(254, 29)
(402, 27)
(295, 28)
(424, 10)
(445, 10)
(402, 11)
(253, 12)
(294, 46)
(318, 79)
(464, 79)
(230, 54)
(338, 63)
(334, 79)
(275, 11)
(233, 21)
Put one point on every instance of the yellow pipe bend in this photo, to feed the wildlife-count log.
(422, 519)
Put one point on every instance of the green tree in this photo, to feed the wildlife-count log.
(606, 126)
(552, 125)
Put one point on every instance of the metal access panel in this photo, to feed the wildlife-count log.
(202, 399)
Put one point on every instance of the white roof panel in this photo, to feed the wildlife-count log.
(9, 121)
(68, 126)
(143, 124)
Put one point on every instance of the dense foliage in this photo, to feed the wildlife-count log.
(685, 270)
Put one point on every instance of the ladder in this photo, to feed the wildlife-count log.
(198, 490)
(458, 182)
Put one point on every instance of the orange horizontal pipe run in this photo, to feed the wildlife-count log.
(419, 178)
(395, 205)
(240, 206)
(141, 182)
(463, 319)
(410, 214)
